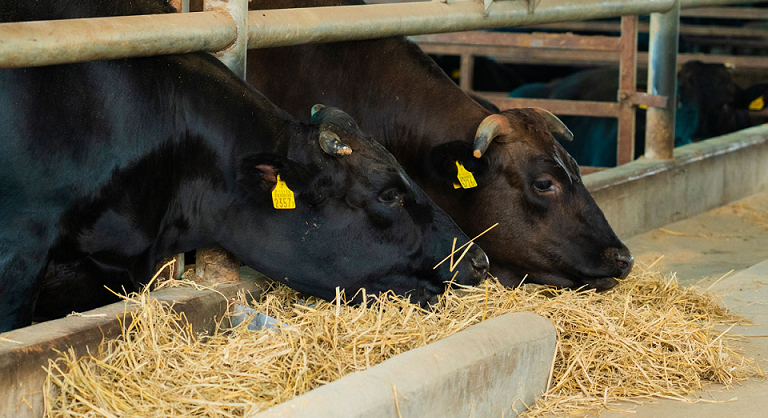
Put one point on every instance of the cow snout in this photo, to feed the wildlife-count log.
(479, 261)
(624, 261)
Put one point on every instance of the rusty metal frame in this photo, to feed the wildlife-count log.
(623, 48)
(625, 151)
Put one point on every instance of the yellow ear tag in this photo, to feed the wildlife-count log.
(757, 104)
(282, 196)
(466, 179)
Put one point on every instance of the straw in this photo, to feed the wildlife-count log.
(648, 337)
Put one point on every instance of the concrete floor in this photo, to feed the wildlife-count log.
(727, 249)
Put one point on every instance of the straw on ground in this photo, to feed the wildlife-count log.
(648, 337)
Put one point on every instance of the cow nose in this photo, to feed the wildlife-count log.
(479, 261)
(624, 261)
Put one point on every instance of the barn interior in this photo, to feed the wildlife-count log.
(693, 204)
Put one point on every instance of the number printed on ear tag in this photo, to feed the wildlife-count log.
(282, 196)
(466, 179)
(757, 104)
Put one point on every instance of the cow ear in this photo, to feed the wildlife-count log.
(441, 163)
(258, 172)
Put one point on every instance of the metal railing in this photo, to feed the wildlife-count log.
(569, 49)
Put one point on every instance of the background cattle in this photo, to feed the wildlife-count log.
(707, 107)
(550, 229)
(113, 165)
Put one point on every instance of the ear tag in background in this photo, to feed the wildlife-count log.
(282, 196)
(757, 104)
(466, 179)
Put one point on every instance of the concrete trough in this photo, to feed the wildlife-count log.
(644, 194)
(492, 369)
(25, 351)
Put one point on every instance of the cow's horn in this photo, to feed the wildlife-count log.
(555, 125)
(491, 127)
(332, 144)
(316, 108)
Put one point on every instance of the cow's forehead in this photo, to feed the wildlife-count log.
(531, 138)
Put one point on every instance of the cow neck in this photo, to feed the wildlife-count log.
(235, 115)
(415, 110)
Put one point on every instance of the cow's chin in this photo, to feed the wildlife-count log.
(423, 291)
(511, 278)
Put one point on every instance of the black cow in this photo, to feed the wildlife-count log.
(124, 162)
(707, 106)
(550, 228)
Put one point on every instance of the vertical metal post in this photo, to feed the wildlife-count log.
(176, 270)
(181, 6)
(234, 56)
(215, 264)
(625, 151)
(662, 80)
(466, 71)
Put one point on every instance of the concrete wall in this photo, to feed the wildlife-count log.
(493, 369)
(644, 195)
(26, 351)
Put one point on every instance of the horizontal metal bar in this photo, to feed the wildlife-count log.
(283, 27)
(687, 4)
(524, 55)
(27, 44)
(573, 57)
(524, 40)
(746, 13)
(559, 107)
(644, 27)
(647, 100)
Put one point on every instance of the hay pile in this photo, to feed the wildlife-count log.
(647, 337)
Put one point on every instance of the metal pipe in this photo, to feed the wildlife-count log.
(28, 44)
(662, 80)
(685, 4)
(283, 27)
(234, 55)
(216, 265)
(625, 141)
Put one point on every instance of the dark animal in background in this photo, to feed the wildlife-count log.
(707, 107)
(550, 229)
(112, 165)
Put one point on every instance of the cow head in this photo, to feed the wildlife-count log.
(550, 230)
(359, 221)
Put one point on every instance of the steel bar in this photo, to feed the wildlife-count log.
(466, 71)
(26, 44)
(566, 57)
(215, 265)
(625, 149)
(55, 42)
(282, 27)
(647, 100)
(590, 26)
(524, 55)
(523, 40)
(662, 80)
(181, 6)
(234, 55)
(559, 107)
(746, 13)
(687, 4)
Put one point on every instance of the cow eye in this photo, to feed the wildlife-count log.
(391, 197)
(543, 185)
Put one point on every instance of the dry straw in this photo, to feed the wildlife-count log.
(648, 337)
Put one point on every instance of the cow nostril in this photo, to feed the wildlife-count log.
(624, 261)
(480, 262)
